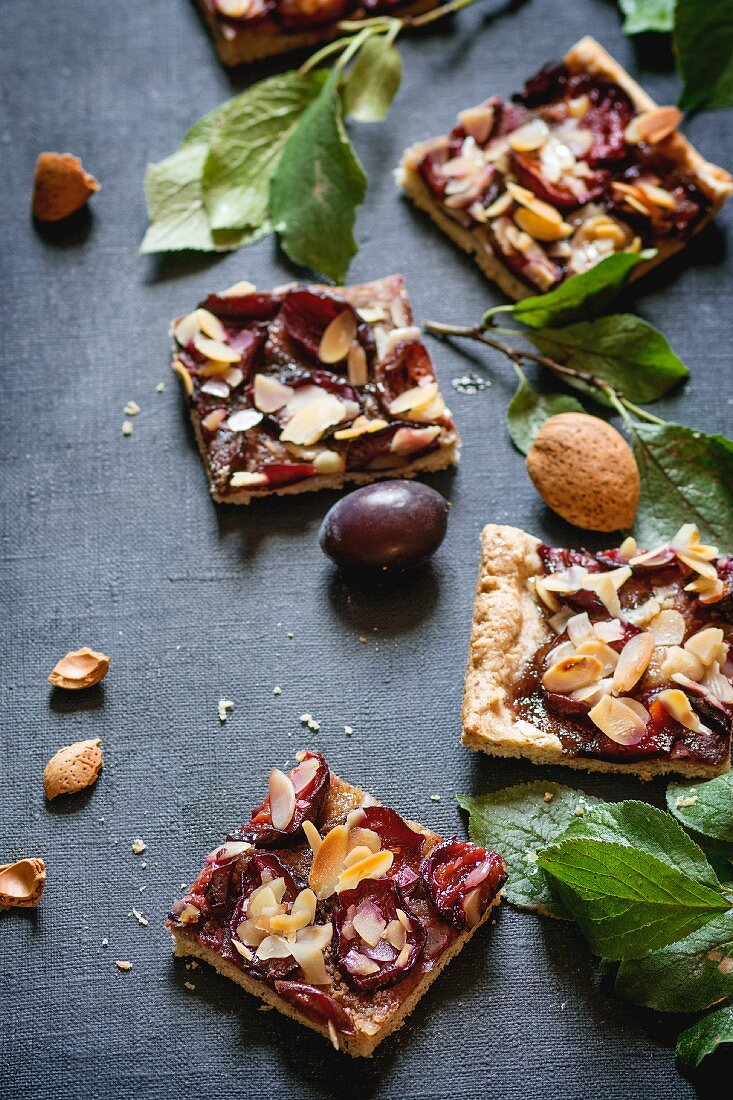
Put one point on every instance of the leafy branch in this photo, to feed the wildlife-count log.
(277, 157)
(621, 362)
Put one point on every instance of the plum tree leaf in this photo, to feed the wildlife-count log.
(706, 808)
(703, 43)
(374, 80)
(528, 410)
(704, 1038)
(647, 15)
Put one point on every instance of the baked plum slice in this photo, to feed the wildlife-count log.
(306, 314)
(315, 1004)
(392, 830)
(529, 173)
(242, 307)
(301, 794)
(377, 941)
(461, 880)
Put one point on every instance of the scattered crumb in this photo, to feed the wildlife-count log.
(686, 800)
(142, 889)
(143, 863)
(348, 730)
(140, 918)
(265, 1008)
(189, 985)
(579, 811)
(470, 383)
(290, 634)
(548, 796)
(138, 846)
(160, 388)
(435, 798)
(362, 639)
(131, 408)
(101, 821)
(127, 427)
(277, 690)
(223, 707)
(123, 964)
(105, 942)
(194, 965)
(184, 886)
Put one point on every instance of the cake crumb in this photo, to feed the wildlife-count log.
(123, 964)
(160, 388)
(140, 918)
(138, 846)
(189, 985)
(579, 811)
(265, 1008)
(223, 707)
(548, 796)
(435, 798)
(143, 864)
(131, 408)
(686, 800)
(127, 427)
(105, 942)
(362, 639)
(348, 730)
(277, 690)
(290, 635)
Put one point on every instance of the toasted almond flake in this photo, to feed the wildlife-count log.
(611, 630)
(372, 314)
(580, 629)
(657, 195)
(499, 206)
(245, 480)
(356, 854)
(602, 652)
(653, 126)
(633, 662)
(678, 661)
(131, 408)
(282, 799)
(337, 338)
(244, 287)
(707, 591)
(360, 426)
(243, 420)
(541, 228)
(215, 387)
(374, 865)
(406, 441)
(310, 959)
(309, 423)
(532, 135)
(706, 569)
(370, 925)
(478, 121)
(270, 394)
(406, 335)
(706, 644)
(357, 365)
(593, 693)
(329, 462)
(186, 380)
(216, 349)
(189, 914)
(185, 329)
(328, 861)
(364, 838)
(414, 398)
(618, 720)
(223, 707)
(572, 673)
(212, 421)
(676, 703)
(668, 627)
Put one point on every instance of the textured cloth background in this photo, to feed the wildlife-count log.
(114, 543)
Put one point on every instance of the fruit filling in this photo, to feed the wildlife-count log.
(639, 665)
(563, 175)
(350, 911)
(294, 16)
(307, 381)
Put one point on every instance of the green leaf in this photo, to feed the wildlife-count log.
(246, 142)
(705, 807)
(581, 297)
(686, 477)
(703, 42)
(316, 188)
(627, 902)
(704, 1037)
(374, 80)
(647, 829)
(647, 15)
(528, 410)
(621, 349)
(518, 821)
(688, 976)
(175, 205)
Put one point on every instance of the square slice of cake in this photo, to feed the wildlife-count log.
(247, 30)
(615, 661)
(310, 387)
(333, 908)
(577, 166)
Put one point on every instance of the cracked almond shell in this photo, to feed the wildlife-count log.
(61, 186)
(80, 668)
(22, 883)
(584, 470)
(73, 768)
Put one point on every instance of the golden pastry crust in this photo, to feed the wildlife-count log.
(508, 628)
(242, 46)
(385, 1018)
(589, 56)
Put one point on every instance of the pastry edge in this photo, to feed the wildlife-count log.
(249, 45)
(590, 56)
(504, 600)
(358, 1046)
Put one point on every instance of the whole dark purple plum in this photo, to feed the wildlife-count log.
(388, 525)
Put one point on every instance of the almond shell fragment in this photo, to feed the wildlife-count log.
(80, 668)
(73, 768)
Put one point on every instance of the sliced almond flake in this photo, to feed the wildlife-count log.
(243, 951)
(333, 1035)
(243, 420)
(213, 420)
(309, 423)
(397, 336)
(705, 568)
(676, 703)
(532, 135)
(580, 629)
(653, 126)
(244, 480)
(594, 647)
(185, 329)
(414, 398)
(361, 426)
(337, 338)
(215, 387)
(270, 394)
(499, 206)
(706, 645)
(668, 627)
(282, 799)
(406, 441)
(609, 630)
(310, 959)
(372, 314)
(620, 721)
(216, 350)
(239, 289)
(328, 861)
(312, 835)
(633, 662)
(329, 462)
(572, 673)
(677, 661)
(234, 377)
(707, 591)
(357, 365)
(375, 866)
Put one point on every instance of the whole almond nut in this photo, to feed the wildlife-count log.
(584, 470)
(61, 186)
(73, 768)
(22, 883)
(80, 668)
